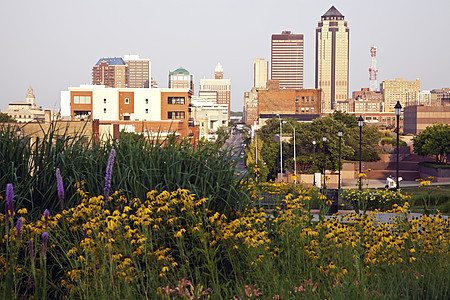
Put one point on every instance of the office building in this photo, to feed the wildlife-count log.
(301, 104)
(181, 79)
(332, 56)
(260, 73)
(220, 85)
(139, 71)
(111, 72)
(287, 59)
(405, 92)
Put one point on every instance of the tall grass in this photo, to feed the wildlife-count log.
(142, 164)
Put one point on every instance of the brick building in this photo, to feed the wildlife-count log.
(111, 72)
(296, 102)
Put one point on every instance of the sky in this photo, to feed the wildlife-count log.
(52, 44)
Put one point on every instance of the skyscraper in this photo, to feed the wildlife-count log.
(139, 71)
(110, 72)
(287, 59)
(260, 73)
(332, 53)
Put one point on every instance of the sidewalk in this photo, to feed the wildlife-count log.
(376, 183)
(381, 217)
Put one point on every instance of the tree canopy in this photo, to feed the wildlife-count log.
(5, 118)
(306, 132)
(434, 140)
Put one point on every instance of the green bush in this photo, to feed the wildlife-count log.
(380, 199)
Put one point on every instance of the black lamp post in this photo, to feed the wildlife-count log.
(324, 139)
(398, 111)
(314, 161)
(281, 148)
(340, 137)
(360, 124)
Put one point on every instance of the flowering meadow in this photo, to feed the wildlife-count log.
(170, 246)
(211, 241)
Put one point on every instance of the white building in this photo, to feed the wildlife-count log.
(209, 116)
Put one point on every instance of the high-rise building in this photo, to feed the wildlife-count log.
(110, 72)
(405, 92)
(287, 60)
(260, 73)
(181, 79)
(139, 71)
(222, 86)
(332, 53)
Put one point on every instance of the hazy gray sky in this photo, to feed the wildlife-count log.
(53, 44)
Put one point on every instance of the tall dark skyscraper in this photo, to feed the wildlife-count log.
(287, 59)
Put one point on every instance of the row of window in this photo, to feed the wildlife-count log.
(305, 99)
(175, 100)
(82, 99)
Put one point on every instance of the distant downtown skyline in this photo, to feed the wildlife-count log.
(53, 46)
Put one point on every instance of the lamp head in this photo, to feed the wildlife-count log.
(324, 138)
(340, 132)
(360, 121)
(398, 109)
(314, 141)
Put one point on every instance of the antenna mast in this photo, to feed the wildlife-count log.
(373, 70)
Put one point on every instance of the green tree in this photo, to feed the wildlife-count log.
(306, 132)
(434, 140)
(5, 118)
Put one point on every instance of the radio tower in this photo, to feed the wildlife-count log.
(373, 70)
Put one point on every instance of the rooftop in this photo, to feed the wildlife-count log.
(332, 12)
(180, 70)
(111, 61)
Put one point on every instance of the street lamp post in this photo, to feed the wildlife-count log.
(314, 161)
(398, 112)
(281, 149)
(324, 139)
(340, 137)
(295, 154)
(360, 124)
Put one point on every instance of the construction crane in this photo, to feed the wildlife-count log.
(373, 70)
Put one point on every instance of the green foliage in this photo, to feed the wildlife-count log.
(380, 199)
(141, 164)
(306, 132)
(434, 140)
(5, 118)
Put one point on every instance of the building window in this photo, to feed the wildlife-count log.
(104, 101)
(104, 110)
(175, 100)
(146, 101)
(126, 118)
(146, 110)
(175, 115)
(303, 99)
(312, 98)
(296, 99)
(127, 101)
(82, 99)
(307, 98)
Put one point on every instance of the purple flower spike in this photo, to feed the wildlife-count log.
(44, 241)
(9, 206)
(60, 188)
(30, 249)
(19, 227)
(46, 214)
(108, 175)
